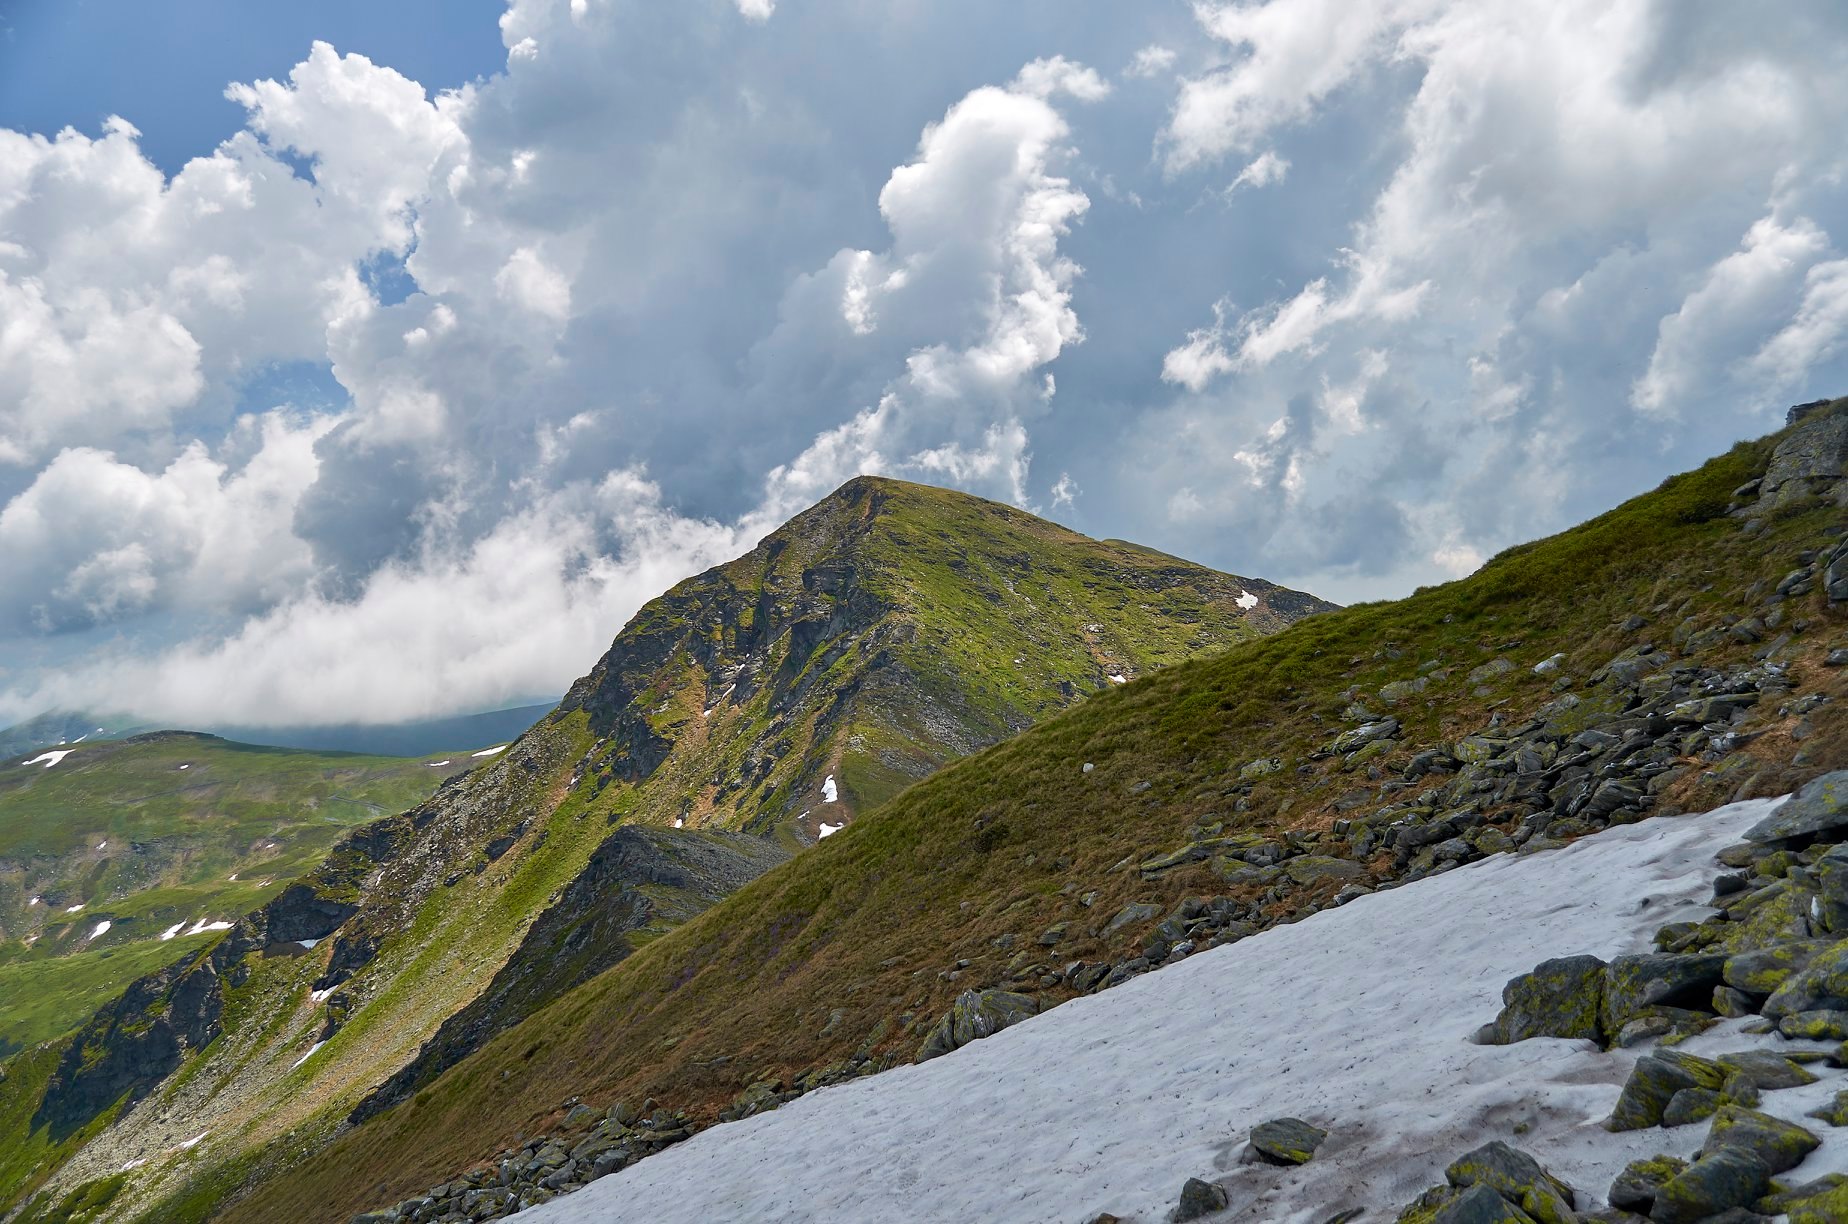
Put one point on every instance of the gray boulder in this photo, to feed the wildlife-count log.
(1818, 807)
(976, 1014)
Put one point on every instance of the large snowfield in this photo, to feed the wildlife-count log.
(1356, 1019)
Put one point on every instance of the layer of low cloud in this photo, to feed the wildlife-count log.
(1347, 296)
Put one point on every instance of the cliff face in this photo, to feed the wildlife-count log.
(739, 718)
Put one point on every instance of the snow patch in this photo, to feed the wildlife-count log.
(439, 764)
(102, 845)
(1116, 679)
(1356, 1019)
(829, 794)
(680, 822)
(310, 1054)
(71, 909)
(828, 830)
(203, 925)
(232, 878)
(172, 931)
(186, 766)
(1246, 600)
(490, 751)
(134, 1164)
(34, 901)
(48, 758)
(102, 928)
(195, 1141)
(308, 943)
(320, 996)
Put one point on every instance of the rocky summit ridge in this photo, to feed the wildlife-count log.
(743, 716)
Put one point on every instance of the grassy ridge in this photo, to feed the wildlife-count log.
(856, 944)
(885, 631)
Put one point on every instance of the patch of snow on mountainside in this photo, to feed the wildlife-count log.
(485, 752)
(829, 794)
(1356, 1019)
(48, 759)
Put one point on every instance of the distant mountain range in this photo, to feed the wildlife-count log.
(53, 728)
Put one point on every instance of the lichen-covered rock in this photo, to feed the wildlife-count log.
(1763, 970)
(1562, 997)
(1689, 1106)
(1767, 1069)
(1819, 806)
(1644, 1100)
(1286, 1141)
(1480, 1205)
(1635, 1188)
(1198, 1198)
(1635, 984)
(1820, 1025)
(1516, 1177)
(1779, 1144)
(1724, 1178)
(1835, 1113)
(976, 1014)
(1823, 1201)
(1822, 985)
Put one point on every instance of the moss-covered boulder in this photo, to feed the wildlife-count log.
(1560, 998)
(1286, 1141)
(1480, 1205)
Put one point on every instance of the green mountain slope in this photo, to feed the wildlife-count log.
(1670, 655)
(888, 630)
(117, 857)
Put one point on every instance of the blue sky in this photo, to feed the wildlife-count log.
(378, 362)
(164, 66)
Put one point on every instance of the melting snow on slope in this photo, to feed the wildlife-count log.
(490, 751)
(1116, 679)
(320, 996)
(1246, 600)
(828, 830)
(102, 845)
(173, 930)
(102, 928)
(195, 1141)
(435, 764)
(186, 766)
(48, 759)
(310, 1054)
(1356, 1019)
(203, 925)
(680, 822)
(35, 901)
(828, 792)
(71, 909)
